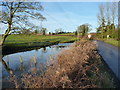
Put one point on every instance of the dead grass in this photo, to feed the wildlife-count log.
(79, 66)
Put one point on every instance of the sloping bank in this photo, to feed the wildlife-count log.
(79, 66)
(21, 47)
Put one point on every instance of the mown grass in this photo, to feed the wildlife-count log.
(14, 39)
(17, 43)
(112, 42)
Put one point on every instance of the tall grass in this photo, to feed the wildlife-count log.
(79, 66)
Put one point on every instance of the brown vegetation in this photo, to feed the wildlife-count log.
(79, 66)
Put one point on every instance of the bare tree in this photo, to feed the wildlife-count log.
(17, 14)
(107, 18)
(101, 13)
(101, 18)
(119, 15)
(107, 8)
(113, 10)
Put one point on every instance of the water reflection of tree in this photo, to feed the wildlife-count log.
(44, 50)
(36, 49)
(59, 47)
(6, 66)
(10, 71)
(7, 59)
(21, 66)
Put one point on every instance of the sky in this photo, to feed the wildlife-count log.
(67, 15)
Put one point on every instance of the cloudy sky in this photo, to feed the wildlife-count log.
(67, 15)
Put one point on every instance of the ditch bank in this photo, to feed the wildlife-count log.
(14, 48)
(21, 47)
(79, 66)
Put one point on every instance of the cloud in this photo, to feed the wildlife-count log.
(68, 21)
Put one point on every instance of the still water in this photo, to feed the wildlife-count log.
(22, 62)
(111, 56)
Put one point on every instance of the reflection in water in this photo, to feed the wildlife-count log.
(10, 71)
(34, 59)
(23, 62)
(36, 49)
(7, 60)
(44, 49)
(21, 66)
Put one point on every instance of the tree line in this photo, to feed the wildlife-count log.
(107, 20)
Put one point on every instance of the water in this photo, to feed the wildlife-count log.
(22, 62)
(111, 56)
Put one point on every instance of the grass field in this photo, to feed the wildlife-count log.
(14, 39)
(16, 43)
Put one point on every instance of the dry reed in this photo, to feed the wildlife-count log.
(79, 66)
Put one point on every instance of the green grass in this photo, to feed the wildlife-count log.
(15, 39)
(111, 41)
(17, 43)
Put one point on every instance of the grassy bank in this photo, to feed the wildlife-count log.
(111, 41)
(79, 66)
(15, 43)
